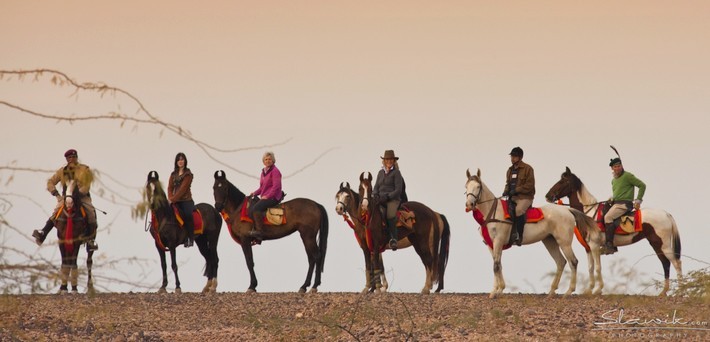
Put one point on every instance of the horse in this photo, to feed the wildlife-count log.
(555, 230)
(347, 205)
(71, 226)
(302, 215)
(658, 227)
(168, 234)
(429, 234)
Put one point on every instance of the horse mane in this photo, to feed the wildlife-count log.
(234, 194)
(585, 197)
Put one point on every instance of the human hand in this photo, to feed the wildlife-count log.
(637, 204)
(512, 192)
(59, 198)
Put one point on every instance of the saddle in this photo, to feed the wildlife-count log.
(629, 223)
(533, 214)
(196, 219)
(61, 210)
(405, 217)
(274, 216)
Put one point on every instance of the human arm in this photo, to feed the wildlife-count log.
(177, 194)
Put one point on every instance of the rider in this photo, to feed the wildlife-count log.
(179, 193)
(389, 190)
(520, 189)
(622, 186)
(84, 177)
(270, 191)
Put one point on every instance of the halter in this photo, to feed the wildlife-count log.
(491, 213)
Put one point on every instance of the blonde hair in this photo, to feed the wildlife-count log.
(269, 154)
(396, 164)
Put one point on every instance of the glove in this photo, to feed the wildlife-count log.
(384, 198)
(513, 192)
(637, 204)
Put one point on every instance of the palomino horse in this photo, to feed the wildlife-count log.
(348, 206)
(658, 227)
(71, 226)
(429, 234)
(168, 234)
(302, 215)
(556, 231)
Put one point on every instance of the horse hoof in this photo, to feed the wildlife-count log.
(302, 290)
(162, 290)
(425, 291)
(313, 290)
(365, 290)
(251, 291)
(178, 290)
(492, 295)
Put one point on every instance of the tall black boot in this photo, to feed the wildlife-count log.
(609, 247)
(392, 229)
(90, 237)
(519, 225)
(258, 231)
(40, 236)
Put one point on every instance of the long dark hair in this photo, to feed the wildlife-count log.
(177, 157)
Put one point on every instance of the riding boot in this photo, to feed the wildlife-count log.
(257, 231)
(520, 223)
(40, 236)
(514, 236)
(392, 229)
(609, 247)
(90, 238)
(190, 229)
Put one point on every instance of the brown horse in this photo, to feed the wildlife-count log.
(303, 215)
(168, 234)
(71, 225)
(429, 235)
(348, 206)
(658, 227)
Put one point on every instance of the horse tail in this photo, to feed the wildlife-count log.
(443, 252)
(676, 238)
(585, 225)
(322, 235)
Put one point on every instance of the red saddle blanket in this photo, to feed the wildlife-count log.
(533, 214)
(196, 219)
(478, 216)
(637, 223)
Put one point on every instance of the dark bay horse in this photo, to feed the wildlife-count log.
(168, 234)
(303, 215)
(348, 205)
(429, 235)
(71, 226)
(658, 227)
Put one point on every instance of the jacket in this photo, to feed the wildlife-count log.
(623, 187)
(525, 184)
(179, 186)
(79, 172)
(270, 184)
(389, 186)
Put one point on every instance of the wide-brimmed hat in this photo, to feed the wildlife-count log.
(389, 154)
(71, 152)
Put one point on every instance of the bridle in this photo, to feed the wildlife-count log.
(491, 213)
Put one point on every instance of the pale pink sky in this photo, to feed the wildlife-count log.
(449, 85)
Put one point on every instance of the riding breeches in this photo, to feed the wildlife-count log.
(615, 212)
(522, 205)
(262, 205)
(392, 207)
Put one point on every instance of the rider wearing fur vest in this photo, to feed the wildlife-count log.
(84, 177)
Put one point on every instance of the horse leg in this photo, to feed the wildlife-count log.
(499, 282)
(426, 257)
(74, 275)
(368, 270)
(596, 252)
(249, 258)
(204, 250)
(174, 266)
(64, 277)
(383, 277)
(312, 252)
(573, 262)
(164, 266)
(554, 249)
(89, 281)
(590, 268)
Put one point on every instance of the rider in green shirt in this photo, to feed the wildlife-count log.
(623, 186)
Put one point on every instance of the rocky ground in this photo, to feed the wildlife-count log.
(349, 317)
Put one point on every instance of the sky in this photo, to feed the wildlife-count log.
(448, 85)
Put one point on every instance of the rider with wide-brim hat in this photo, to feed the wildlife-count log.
(389, 190)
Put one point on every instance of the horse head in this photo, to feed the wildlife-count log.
(568, 184)
(72, 196)
(365, 190)
(154, 193)
(345, 199)
(474, 189)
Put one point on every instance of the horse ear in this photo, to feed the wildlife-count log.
(347, 185)
(468, 174)
(153, 175)
(369, 176)
(362, 176)
(478, 173)
(219, 174)
(341, 186)
(567, 171)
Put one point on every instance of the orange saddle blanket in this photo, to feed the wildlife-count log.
(196, 219)
(533, 214)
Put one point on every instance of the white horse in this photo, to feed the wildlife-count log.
(556, 231)
(658, 227)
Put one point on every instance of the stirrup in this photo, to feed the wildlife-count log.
(91, 246)
(189, 243)
(393, 244)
